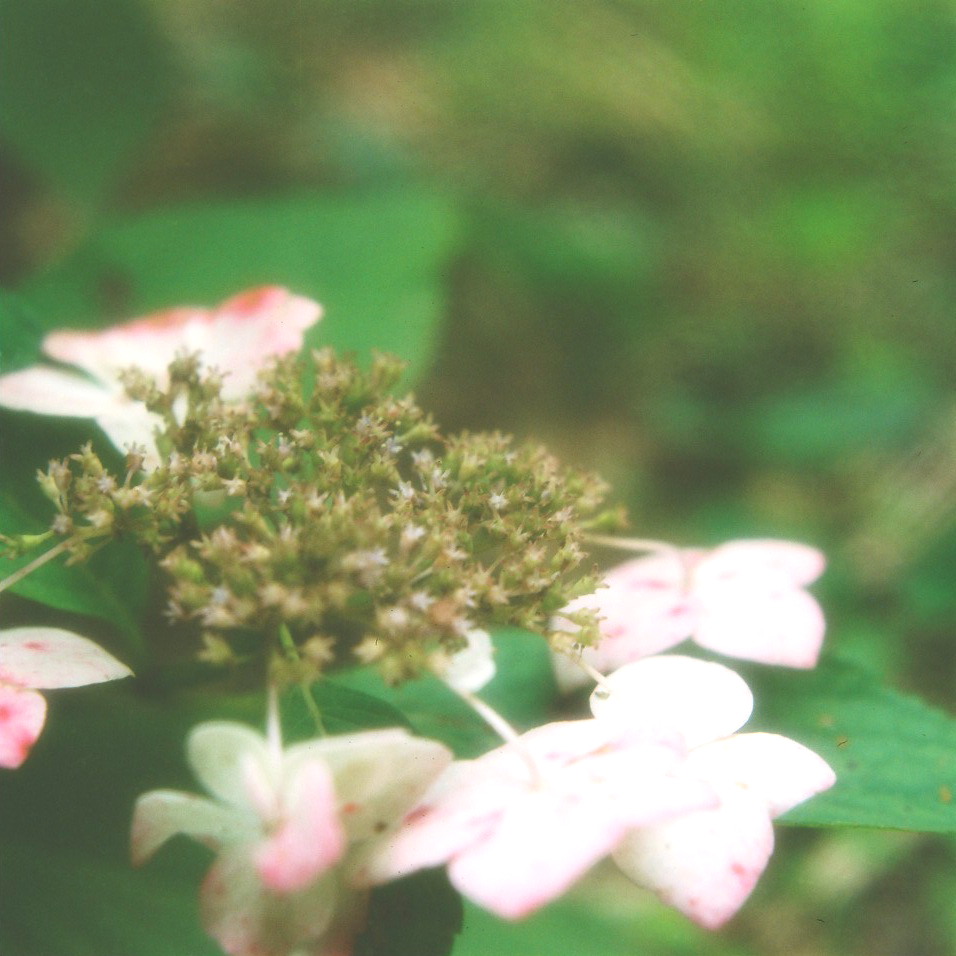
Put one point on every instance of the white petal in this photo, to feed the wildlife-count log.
(544, 841)
(644, 609)
(799, 564)
(250, 328)
(469, 669)
(249, 920)
(379, 775)
(697, 699)
(237, 337)
(47, 657)
(232, 761)
(131, 424)
(704, 863)
(758, 618)
(50, 391)
(778, 770)
(161, 814)
(149, 343)
(464, 805)
(22, 715)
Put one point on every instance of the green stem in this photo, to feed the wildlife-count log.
(292, 652)
(38, 562)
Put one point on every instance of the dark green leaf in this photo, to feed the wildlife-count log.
(418, 916)
(83, 82)
(522, 691)
(375, 261)
(895, 756)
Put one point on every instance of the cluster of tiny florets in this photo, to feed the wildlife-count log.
(334, 519)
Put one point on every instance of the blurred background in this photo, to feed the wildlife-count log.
(705, 247)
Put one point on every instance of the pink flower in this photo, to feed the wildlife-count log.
(280, 822)
(519, 825)
(706, 862)
(42, 658)
(237, 338)
(744, 599)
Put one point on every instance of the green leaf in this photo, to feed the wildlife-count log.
(894, 755)
(113, 585)
(418, 916)
(83, 82)
(374, 260)
(65, 822)
(522, 691)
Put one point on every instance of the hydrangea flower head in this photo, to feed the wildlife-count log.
(745, 599)
(42, 658)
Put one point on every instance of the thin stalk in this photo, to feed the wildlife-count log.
(503, 729)
(37, 562)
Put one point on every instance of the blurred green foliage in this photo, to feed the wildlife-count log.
(706, 248)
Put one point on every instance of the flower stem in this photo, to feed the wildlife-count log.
(37, 562)
(503, 729)
(292, 652)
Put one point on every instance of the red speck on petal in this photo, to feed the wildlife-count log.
(350, 808)
(36, 646)
(418, 813)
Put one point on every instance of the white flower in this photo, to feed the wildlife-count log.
(706, 862)
(744, 598)
(519, 825)
(280, 822)
(43, 658)
(236, 337)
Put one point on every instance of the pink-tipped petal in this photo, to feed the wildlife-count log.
(149, 343)
(379, 775)
(780, 771)
(759, 618)
(309, 838)
(644, 610)
(246, 919)
(161, 814)
(237, 337)
(252, 327)
(50, 391)
(697, 699)
(797, 563)
(22, 714)
(47, 657)
(704, 863)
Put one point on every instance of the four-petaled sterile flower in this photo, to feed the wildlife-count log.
(280, 821)
(236, 338)
(745, 599)
(519, 825)
(705, 862)
(42, 658)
